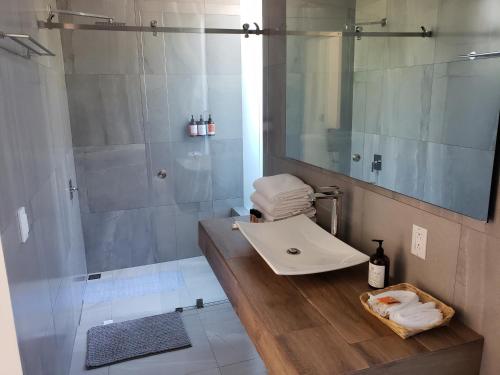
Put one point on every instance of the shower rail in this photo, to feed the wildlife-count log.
(424, 33)
(245, 30)
(33, 47)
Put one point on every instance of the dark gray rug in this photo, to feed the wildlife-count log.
(118, 342)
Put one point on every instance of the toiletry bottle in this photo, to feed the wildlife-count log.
(202, 127)
(211, 126)
(192, 127)
(378, 273)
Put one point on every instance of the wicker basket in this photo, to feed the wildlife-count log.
(403, 332)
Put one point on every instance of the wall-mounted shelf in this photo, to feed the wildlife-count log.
(32, 46)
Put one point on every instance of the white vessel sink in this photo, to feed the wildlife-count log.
(319, 251)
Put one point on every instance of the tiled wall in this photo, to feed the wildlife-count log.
(130, 97)
(431, 115)
(463, 255)
(47, 273)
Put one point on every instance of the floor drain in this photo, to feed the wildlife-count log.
(293, 251)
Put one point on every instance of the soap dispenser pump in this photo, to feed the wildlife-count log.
(378, 273)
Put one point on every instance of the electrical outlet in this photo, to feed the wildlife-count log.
(419, 242)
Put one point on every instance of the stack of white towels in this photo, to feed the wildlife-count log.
(282, 196)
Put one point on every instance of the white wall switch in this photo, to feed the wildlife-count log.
(24, 227)
(419, 242)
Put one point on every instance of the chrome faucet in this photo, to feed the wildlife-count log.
(334, 194)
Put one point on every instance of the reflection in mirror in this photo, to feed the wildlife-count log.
(390, 107)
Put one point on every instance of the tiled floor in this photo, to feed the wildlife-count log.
(220, 344)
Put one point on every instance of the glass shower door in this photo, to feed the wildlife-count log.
(191, 178)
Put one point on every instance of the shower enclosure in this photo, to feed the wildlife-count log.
(133, 83)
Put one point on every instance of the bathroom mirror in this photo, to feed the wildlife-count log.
(373, 95)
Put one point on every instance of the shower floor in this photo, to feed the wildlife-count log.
(220, 344)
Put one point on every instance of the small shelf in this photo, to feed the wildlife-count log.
(32, 46)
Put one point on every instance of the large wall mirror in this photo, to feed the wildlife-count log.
(373, 95)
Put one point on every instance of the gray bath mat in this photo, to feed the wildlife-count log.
(118, 342)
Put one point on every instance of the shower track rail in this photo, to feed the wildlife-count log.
(146, 29)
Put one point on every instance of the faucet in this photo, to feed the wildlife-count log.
(334, 194)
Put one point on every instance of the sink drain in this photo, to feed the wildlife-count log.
(293, 251)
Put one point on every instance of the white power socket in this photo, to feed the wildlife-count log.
(419, 242)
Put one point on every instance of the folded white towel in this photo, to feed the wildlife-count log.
(417, 316)
(310, 213)
(281, 207)
(282, 187)
(404, 297)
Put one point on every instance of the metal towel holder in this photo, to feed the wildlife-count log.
(32, 46)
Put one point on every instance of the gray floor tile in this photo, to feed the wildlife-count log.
(252, 367)
(227, 337)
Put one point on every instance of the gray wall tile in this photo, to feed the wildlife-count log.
(447, 186)
(11, 183)
(94, 52)
(466, 26)
(225, 105)
(152, 48)
(115, 177)
(155, 105)
(187, 217)
(465, 104)
(185, 53)
(105, 109)
(193, 170)
(222, 208)
(227, 169)
(118, 239)
(223, 52)
(162, 158)
(165, 229)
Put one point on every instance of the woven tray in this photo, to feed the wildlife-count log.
(403, 332)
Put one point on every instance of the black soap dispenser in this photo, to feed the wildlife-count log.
(378, 273)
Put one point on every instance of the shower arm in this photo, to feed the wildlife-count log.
(53, 12)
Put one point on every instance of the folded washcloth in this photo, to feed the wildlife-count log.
(417, 316)
(281, 207)
(391, 301)
(309, 212)
(282, 187)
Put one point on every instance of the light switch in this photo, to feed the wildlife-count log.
(419, 242)
(24, 227)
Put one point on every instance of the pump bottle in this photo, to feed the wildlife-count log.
(378, 272)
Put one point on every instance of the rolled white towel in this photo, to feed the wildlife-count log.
(310, 213)
(417, 316)
(404, 298)
(280, 207)
(282, 187)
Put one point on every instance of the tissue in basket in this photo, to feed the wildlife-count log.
(403, 332)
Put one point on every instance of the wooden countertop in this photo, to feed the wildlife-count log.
(315, 324)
